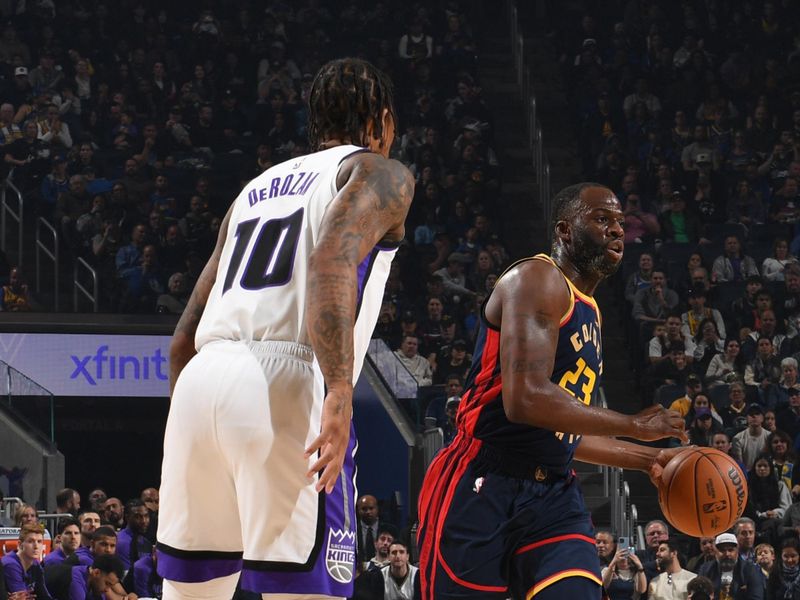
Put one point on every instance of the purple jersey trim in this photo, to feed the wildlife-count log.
(196, 570)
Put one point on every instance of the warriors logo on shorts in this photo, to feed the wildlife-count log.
(340, 557)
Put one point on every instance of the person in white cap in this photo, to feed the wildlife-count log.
(733, 579)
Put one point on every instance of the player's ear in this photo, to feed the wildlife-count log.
(563, 231)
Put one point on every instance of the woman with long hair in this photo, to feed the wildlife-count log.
(768, 498)
(623, 578)
(773, 266)
(725, 366)
(784, 580)
(779, 449)
(25, 515)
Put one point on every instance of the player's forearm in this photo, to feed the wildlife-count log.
(599, 450)
(551, 407)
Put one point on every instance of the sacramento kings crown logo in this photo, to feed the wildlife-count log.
(340, 556)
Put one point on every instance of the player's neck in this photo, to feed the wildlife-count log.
(332, 143)
(585, 282)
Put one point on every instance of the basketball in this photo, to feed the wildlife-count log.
(703, 491)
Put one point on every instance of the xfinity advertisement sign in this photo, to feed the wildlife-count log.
(91, 365)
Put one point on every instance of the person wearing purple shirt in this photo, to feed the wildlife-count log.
(147, 583)
(92, 582)
(103, 541)
(22, 570)
(70, 535)
(131, 541)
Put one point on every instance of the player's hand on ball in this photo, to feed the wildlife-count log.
(661, 459)
(656, 423)
(332, 441)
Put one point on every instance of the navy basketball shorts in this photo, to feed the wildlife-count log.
(485, 533)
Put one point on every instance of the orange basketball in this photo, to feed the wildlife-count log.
(703, 491)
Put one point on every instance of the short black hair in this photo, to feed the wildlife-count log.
(672, 544)
(346, 95)
(566, 203)
(109, 563)
(131, 504)
(66, 522)
(104, 531)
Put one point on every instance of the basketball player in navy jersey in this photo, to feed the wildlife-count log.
(258, 476)
(501, 513)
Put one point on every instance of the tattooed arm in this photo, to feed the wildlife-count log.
(529, 302)
(181, 349)
(370, 208)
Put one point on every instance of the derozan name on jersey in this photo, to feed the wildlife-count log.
(294, 184)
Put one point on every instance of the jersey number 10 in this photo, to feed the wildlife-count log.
(270, 261)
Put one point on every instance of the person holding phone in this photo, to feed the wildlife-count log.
(623, 578)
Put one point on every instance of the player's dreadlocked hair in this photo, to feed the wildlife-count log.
(345, 96)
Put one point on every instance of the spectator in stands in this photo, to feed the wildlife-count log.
(779, 451)
(743, 309)
(673, 579)
(765, 558)
(655, 532)
(684, 404)
(29, 157)
(769, 420)
(767, 326)
(453, 277)
(708, 553)
(678, 225)
(749, 443)
(703, 427)
(175, 300)
(698, 311)
(652, 305)
(639, 279)
(400, 578)
(15, 294)
(25, 515)
(730, 574)
(726, 366)
(641, 226)
(69, 536)
(386, 537)
(744, 206)
(97, 498)
(732, 265)
(773, 266)
(68, 501)
(623, 577)
(606, 545)
(764, 370)
(709, 343)
(368, 522)
(734, 414)
(784, 579)
(778, 396)
(787, 418)
(768, 499)
(417, 365)
(661, 343)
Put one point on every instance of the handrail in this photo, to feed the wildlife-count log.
(51, 254)
(539, 160)
(94, 296)
(18, 216)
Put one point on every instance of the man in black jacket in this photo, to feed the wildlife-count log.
(738, 579)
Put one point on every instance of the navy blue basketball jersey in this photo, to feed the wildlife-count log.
(578, 367)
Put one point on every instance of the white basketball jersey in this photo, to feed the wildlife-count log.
(261, 286)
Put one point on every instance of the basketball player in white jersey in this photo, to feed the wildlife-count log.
(258, 476)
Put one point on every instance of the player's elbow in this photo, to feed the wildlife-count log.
(519, 406)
